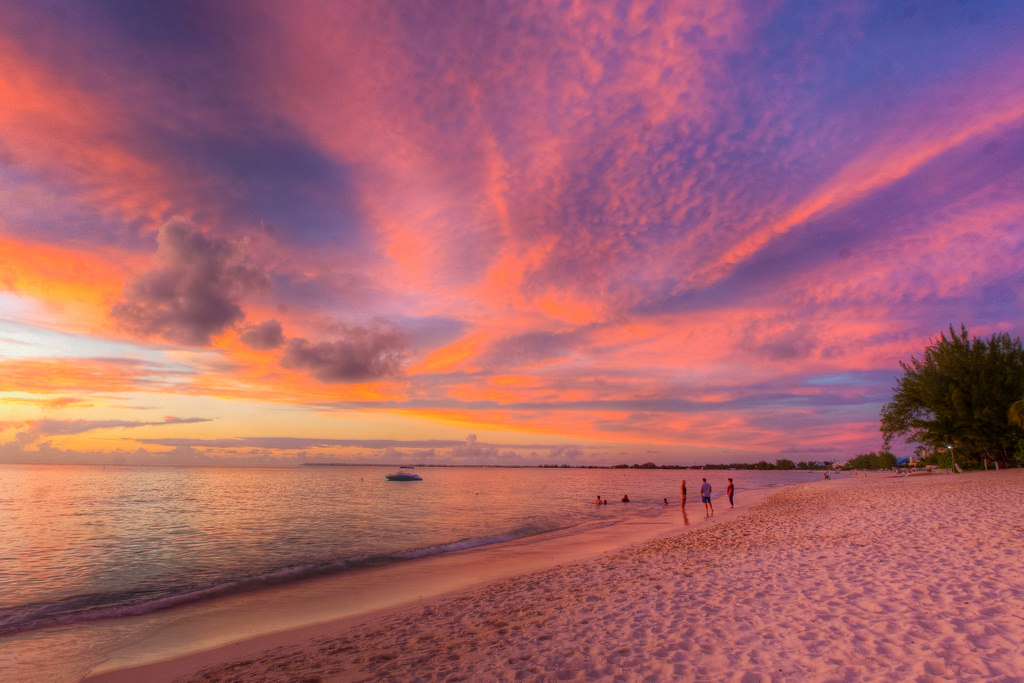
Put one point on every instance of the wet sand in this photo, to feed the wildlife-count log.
(878, 578)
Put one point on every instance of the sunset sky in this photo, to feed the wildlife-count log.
(495, 232)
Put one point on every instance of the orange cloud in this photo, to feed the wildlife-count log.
(87, 376)
(81, 284)
(56, 129)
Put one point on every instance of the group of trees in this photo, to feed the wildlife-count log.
(963, 401)
(872, 461)
(780, 464)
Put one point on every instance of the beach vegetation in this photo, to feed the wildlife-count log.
(1016, 413)
(957, 400)
(871, 461)
(781, 464)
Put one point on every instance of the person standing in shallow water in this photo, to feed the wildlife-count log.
(682, 499)
(705, 497)
(730, 490)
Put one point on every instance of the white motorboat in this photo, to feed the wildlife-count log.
(404, 475)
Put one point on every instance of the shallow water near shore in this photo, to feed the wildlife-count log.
(92, 546)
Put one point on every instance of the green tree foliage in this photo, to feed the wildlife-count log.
(1016, 413)
(872, 461)
(960, 394)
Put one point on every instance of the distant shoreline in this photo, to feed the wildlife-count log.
(712, 468)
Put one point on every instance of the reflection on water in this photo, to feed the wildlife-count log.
(89, 530)
(682, 502)
(81, 541)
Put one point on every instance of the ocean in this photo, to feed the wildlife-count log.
(85, 546)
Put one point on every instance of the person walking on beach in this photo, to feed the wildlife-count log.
(705, 497)
(730, 490)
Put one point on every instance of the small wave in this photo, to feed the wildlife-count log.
(464, 544)
(99, 606)
(94, 607)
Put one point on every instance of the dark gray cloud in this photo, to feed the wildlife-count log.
(360, 354)
(194, 293)
(266, 335)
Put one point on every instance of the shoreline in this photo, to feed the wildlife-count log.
(876, 578)
(244, 625)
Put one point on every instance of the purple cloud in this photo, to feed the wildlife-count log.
(41, 428)
(361, 354)
(532, 347)
(196, 291)
(267, 335)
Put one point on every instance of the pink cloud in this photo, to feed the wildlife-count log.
(716, 225)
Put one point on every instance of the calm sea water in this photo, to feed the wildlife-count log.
(82, 544)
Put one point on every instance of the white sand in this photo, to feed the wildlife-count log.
(877, 579)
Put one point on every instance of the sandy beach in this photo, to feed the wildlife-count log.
(872, 578)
